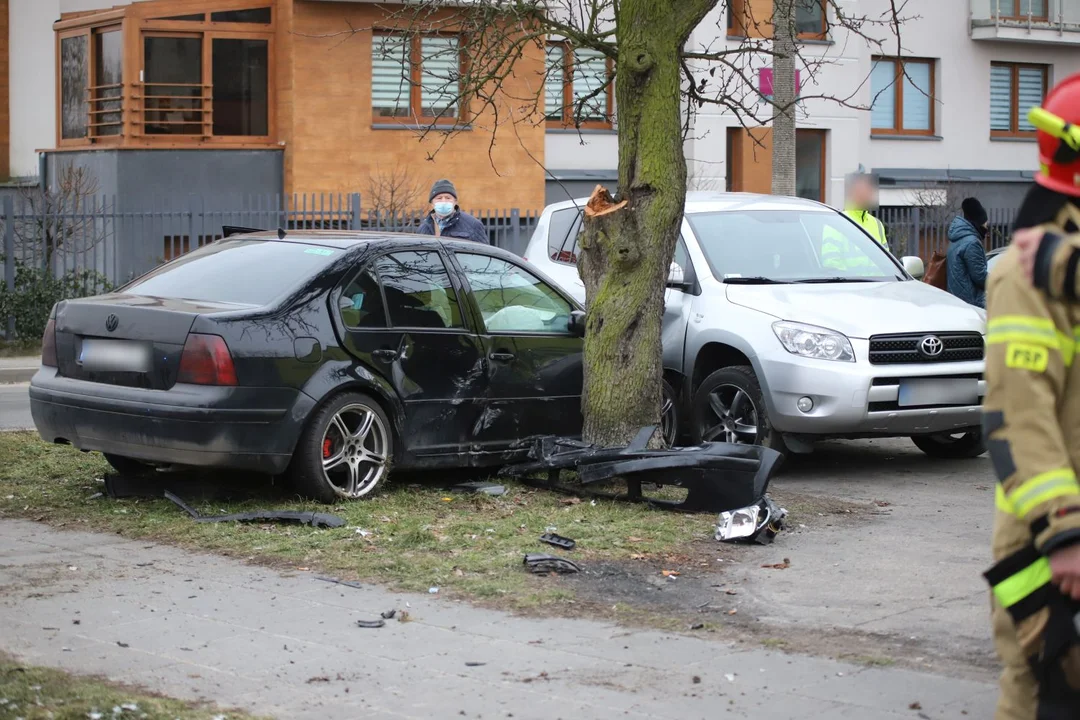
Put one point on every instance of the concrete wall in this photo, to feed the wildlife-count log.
(32, 74)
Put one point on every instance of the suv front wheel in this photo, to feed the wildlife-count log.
(729, 406)
(951, 446)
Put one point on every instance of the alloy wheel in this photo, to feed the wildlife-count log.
(354, 451)
(668, 421)
(731, 417)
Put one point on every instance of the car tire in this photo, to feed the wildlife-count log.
(952, 446)
(727, 404)
(345, 451)
(669, 415)
(128, 466)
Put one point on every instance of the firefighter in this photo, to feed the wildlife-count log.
(1031, 422)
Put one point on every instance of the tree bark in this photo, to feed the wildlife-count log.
(629, 240)
(783, 126)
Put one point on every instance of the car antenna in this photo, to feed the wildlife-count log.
(281, 233)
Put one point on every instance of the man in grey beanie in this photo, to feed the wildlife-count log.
(447, 220)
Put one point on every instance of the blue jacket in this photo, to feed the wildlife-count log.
(459, 225)
(966, 263)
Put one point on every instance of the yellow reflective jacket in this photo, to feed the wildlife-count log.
(1031, 421)
(869, 223)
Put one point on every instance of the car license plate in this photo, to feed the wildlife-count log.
(935, 391)
(115, 356)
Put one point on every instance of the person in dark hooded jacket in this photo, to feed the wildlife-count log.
(447, 220)
(966, 263)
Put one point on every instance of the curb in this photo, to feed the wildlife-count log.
(16, 375)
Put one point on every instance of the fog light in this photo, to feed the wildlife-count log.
(805, 404)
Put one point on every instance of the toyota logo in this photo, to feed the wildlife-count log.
(931, 346)
(111, 323)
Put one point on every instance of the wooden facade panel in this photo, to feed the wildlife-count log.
(750, 155)
(332, 145)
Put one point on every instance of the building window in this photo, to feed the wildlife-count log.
(810, 164)
(107, 93)
(811, 19)
(902, 96)
(736, 18)
(1023, 9)
(74, 75)
(416, 77)
(1014, 90)
(577, 90)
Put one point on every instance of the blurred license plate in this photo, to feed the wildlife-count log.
(115, 356)
(917, 393)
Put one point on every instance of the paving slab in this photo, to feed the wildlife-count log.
(204, 627)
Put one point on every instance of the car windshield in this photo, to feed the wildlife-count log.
(789, 246)
(245, 272)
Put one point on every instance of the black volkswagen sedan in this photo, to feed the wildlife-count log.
(326, 356)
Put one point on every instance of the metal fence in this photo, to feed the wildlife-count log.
(922, 230)
(91, 243)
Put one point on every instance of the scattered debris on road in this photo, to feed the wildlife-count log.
(475, 664)
(389, 614)
(778, 566)
(717, 476)
(339, 581)
(542, 564)
(480, 487)
(670, 573)
(696, 680)
(558, 541)
(760, 523)
(370, 623)
(313, 519)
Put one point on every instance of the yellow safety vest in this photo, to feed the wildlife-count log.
(869, 223)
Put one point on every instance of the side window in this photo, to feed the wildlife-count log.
(361, 303)
(680, 262)
(513, 300)
(563, 231)
(418, 290)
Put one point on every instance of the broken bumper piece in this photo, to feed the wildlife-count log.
(758, 523)
(313, 519)
(717, 476)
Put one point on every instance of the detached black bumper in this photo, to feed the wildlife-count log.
(223, 427)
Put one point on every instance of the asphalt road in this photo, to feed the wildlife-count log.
(15, 407)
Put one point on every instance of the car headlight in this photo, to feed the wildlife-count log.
(813, 342)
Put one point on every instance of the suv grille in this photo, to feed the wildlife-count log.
(910, 348)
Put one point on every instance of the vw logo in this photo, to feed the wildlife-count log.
(111, 323)
(931, 346)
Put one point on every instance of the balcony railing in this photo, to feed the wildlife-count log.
(106, 108)
(1041, 21)
(173, 109)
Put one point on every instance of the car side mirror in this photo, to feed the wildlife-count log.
(577, 323)
(677, 278)
(914, 266)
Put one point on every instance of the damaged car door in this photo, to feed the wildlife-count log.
(534, 359)
(403, 318)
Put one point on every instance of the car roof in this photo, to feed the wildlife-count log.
(351, 239)
(708, 201)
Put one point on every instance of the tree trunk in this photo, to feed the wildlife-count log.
(783, 126)
(629, 241)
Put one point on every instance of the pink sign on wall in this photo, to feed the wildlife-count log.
(765, 77)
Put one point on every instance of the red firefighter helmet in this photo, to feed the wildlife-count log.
(1058, 133)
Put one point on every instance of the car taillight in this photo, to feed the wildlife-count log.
(48, 345)
(206, 361)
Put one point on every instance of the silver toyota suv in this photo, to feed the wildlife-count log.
(786, 324)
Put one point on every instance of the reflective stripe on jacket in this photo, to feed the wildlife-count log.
(869, 223)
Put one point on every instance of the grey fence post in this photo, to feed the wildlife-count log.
(354, 211)
(9, 256)
(515, 232)
(916, 231)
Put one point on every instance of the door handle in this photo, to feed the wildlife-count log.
(501, 356)
(385, 355)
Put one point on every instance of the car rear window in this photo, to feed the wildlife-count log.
(246, 272)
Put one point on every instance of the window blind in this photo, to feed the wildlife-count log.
(1000, 97)
(390, 75)
(440, 76)
(554, 82)
(883, 95)
(590, 74)
(916, 111)
(1030, 91)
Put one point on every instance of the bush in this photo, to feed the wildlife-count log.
(37, 290)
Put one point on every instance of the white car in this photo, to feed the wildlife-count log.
(766, 342)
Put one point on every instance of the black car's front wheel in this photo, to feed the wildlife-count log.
(729, 406)
(345, 451)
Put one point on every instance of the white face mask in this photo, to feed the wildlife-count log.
(442, 209)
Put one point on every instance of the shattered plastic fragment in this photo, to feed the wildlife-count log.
(541, 564)
(433, 591)
(758, 523)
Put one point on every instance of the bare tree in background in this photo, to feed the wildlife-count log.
(63, 220)
(393, 193)
(629, 238)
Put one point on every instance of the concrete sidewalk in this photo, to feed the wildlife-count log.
(198, 626)
(18, 369)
